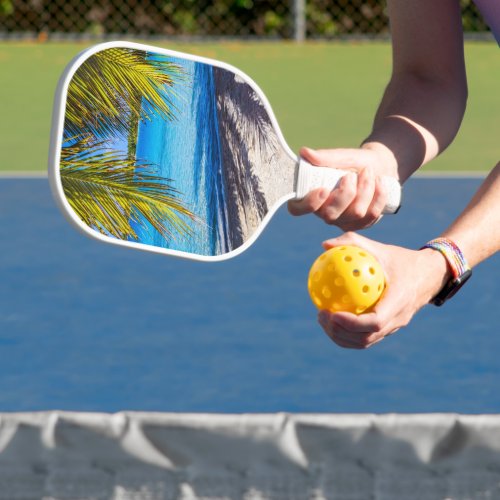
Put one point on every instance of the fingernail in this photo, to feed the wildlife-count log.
(328, 244)
(306, 150)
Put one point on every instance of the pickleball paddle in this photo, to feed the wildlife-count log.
(173, 153)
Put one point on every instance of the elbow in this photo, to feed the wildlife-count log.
(446, 93)
(447, 85)
(460, 95)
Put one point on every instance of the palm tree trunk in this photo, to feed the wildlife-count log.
(133, 123)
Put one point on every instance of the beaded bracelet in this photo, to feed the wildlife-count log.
(452, 254)
(460, 269)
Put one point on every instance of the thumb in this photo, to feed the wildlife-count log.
(349, 238)
(337, 158)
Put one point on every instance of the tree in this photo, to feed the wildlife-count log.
(109, 190)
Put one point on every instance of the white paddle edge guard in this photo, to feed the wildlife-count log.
(310, 177)
(57, 129)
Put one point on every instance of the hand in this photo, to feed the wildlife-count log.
(358, 200)
(413, 278)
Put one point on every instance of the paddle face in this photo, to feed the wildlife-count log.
(166, 152)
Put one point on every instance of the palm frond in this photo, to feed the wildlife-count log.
(107, 191)
(112, 84)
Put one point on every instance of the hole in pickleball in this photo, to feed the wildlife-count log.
(372, 270)
(346, 299)
(317, 276)
(363, 254)
(366, 289)
(317, 300)
(348, 258)
(339, 281)
(356, 273)
(327, 293)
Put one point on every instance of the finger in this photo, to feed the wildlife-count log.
(310, 203)
(374, 211)
(378, 202)
(359, 341)
(348, 338)
(313, 156)
(339, 199)
(357, 225)
(341, 340)
(348, 238)
(365, 324)
(364, 196)
(355, 215)
(373, 325)
(362, 340)
(345, 344)
(354, 159)
(339, 335)
(353, 340)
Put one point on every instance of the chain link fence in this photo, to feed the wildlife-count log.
(284, 19)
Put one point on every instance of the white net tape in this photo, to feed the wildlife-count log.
(155, 456)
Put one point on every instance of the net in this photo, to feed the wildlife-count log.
(57, 455)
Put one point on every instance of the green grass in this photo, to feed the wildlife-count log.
(323, 94)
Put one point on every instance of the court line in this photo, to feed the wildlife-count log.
(452, 174)
(432, 174)
(10, 174)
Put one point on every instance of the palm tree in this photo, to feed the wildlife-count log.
(107, 191)
(111, 191)
(117, 83)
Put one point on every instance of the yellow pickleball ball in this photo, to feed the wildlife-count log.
(346, 278)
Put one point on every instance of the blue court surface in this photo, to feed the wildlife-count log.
(91, 327)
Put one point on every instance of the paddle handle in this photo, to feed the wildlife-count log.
(310, 177)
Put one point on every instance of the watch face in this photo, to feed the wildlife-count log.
(451, 288)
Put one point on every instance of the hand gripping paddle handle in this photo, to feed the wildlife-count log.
(310, 177)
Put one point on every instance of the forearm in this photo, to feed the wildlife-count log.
(416, 121)
(424, 103)
(477, 230)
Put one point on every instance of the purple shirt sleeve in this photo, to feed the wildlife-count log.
(490, 9)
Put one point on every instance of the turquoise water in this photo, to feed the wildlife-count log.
(205, 149)
(187, 150)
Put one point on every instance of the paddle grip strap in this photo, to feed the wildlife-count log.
(311, 177)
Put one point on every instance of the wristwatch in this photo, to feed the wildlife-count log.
(460, 270)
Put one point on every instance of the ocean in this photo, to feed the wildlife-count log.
(187, 150)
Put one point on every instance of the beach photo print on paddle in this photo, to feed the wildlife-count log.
(172, 153)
